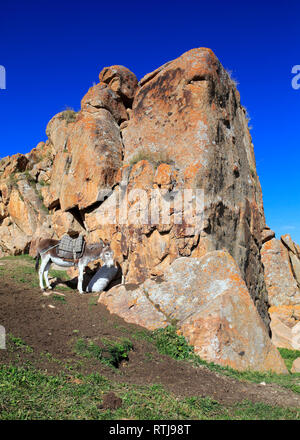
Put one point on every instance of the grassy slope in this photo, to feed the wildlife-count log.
(24, 272)
(26, 393)
(29, 394)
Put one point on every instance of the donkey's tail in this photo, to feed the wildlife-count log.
(37, 261)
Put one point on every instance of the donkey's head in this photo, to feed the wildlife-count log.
(107, 255)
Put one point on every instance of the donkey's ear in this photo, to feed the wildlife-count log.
(101, 242)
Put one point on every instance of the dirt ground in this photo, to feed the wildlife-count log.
(49, 325)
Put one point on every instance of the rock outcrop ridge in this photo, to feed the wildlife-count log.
(179, 130)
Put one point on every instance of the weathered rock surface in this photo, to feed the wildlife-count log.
(212, 307)
(289, 315)
(66, 223)
(267, 234)
(14, 164)
(281, 283)
(102, 96)
(120, 80)
(295, 263)
(131, 304)
(296, 366)
(188, 130)
(283, 335)
(282, 273)
(22, 212)
(88, 162)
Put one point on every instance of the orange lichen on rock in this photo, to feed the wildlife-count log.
(281, 284)
(212, 306)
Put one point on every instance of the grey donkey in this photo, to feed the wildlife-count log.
(47, 252)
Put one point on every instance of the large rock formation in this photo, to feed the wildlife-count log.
(155, 148)
(209, 302)
(188, 130)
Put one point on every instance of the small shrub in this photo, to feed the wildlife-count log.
(59, 298)
(116, 352)
(233, 80)
(29, 178)
(88, 350)
(111, 353)
(13, 180)
(69, 115)
(247, 116)
(169, 342)
(156, 158)
(43, 183)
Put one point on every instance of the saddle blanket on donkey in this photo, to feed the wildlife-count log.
(71, 248)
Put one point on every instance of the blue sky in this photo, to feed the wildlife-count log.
(54, 51)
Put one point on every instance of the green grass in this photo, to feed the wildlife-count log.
(59, 298)
(93, 301)
(289, 356)
(30, 394)
(21, 273)
(16, 344)
(168, 342)
(25, 257)
(110, 353)
(289, 381)
(24, 271)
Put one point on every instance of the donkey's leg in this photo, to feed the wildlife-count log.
(46, 274)
(44, 263)
(80, 277)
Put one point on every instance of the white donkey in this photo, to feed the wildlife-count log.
(47, 251)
